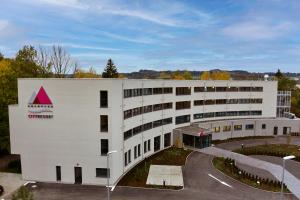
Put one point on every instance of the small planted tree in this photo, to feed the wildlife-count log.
(23, 194)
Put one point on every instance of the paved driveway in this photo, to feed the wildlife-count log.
(198, 182)
(10, 182)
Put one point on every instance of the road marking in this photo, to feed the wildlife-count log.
(112, 188)
(224, 183)
(29, 182)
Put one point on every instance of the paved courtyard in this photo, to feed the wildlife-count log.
(10, 182)
(160, 174)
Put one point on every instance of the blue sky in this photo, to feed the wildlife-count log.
(251, 35)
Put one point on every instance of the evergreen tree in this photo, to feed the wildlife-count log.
(110, 71)
(278, 74)
(1, 56)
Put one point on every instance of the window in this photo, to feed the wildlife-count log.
(245, 89)
(220, 114)
(217, 129)
(221, 89)
(157, 123)
(157, 107)
(129, 156)
(137, 130)
(183, 91)
(149, 145)
(263, 126)
(221, 101)
(168, 105)
(244, 113)
(147, 91)
(139, 150)
(125, 159)
(145, 146)
(103, 99)
(104, 147)
(257, 89)
(256, 112)
(127, 93)
(157, 143)
(232, 89)
(137, 111)
(167, 140)
(198, 103)
(137, 92)
(232, 101)
(249, 127)
(127, 114)
(147, 109)
(182, 119)
(198, 116)
(237, 127)
(135, 152)
(210, 102)
(127, 134)
(244, 101)
(226, 128)
(256, 100)
(147, 126)
(58, 173)
(102, 172)
(157, 90)
(167, 121)
(199, 89)
(210, 89)
(168, 90)
(209, 115)
(103, 123)
(183, 105)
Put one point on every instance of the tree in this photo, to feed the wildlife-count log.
(91, 73)
(122, 76)
(44, 61)
(110, 71)
(187, 75)
(278, 74)
(61, 61)
(215, 75)
(1, 56)
(177, 76)
(23, 194)
(205, 75)
(164, 75)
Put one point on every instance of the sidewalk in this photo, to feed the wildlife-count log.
(10, 182)
(290, 180)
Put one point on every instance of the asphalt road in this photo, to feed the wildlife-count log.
(198, 185)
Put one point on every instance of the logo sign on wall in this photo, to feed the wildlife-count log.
(40, 106)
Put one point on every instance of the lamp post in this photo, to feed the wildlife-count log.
(283, 169)
(108, 172)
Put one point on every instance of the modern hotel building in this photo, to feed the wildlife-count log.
(63, 128)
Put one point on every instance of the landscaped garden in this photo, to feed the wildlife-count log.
(137, 176)
(278, 150)
(229, 167)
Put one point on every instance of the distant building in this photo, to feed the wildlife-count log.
(63, 128)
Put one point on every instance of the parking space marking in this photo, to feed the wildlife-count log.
(224, 183)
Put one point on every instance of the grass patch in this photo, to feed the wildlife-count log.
(228, 167)
(278, 150)
(13, 167)
(137, 176)
(240, 139)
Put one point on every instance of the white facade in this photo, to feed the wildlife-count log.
(72, 137)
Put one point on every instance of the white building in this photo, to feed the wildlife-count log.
(63, 128)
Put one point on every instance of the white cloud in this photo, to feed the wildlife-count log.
(257, 30)
(79, 46)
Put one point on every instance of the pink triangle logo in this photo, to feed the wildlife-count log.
(42, 98)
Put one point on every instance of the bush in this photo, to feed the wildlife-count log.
(23, 194)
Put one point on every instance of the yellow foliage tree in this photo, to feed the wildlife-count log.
(164, 75)
(187, 75)
(217, 75)
(205, 75)
(178, 76)
(91, 73)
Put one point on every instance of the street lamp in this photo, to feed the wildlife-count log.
(108, 172)
(283, 168)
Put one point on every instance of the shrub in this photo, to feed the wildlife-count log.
(1, 190)
(23, 194)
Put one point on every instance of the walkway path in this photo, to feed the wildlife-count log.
(290, 180)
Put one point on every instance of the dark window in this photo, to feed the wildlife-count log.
(58, 173)
(103, 123)
(256, 112)
(145, 147)
(157, 90)
(139, 150)
(147, 126)
(157, 123)
(125, 159)
(210, 102)
(135, 152)
(210, 89)
(232, 89)
(147, 91)
(257, 89)
(198, 116)
(244, 113)
(102, 172)
(168, 105)
(168, 90)
(209, 115)
(127, 93)
(157, 143)
(232, 101)
(182, 119)
(103, 99)
(256, 100)
(221, 89)
(167, 140)
(157, 107)
(221, 101)
(183, 105)
(237, 127)
(263, 126)
(232, 113)
(244, 101)
(127, 134)
(149, 145)
(198, 103)
(249, 127)
(183, 91)
(137, 111)
(220, 114)
(127, 114)
(137, 92)
(199, 89)
(104, 146)
(129, 156)
(147, 109)
(226, 128)
(137, 130)
(167, 121)
(245, 89)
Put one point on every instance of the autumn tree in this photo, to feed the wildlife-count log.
(61, 61)
(164, 75)
(91, 73)
(1, 56)
(110, 70)
(205, 75)
(187, 75)
(215, 75)
(177, 76)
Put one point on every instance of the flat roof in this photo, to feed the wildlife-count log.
(194, 130)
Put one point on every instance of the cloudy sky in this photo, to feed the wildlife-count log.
(155, 34)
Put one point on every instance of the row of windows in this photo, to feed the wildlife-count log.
(147, 126)
(183, 105)
(237, 127)
(227, 101)
(227, 114)
(146, 91)
(228, 89)
(146, 109)
(100, 172)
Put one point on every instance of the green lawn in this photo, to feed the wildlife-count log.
(228, 167)
(137, 176)
(278, 150)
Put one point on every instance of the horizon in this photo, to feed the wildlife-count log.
(256, 36)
